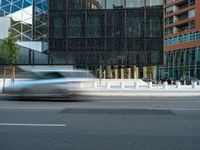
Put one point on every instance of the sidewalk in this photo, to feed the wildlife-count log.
(144, 91)
(128, 89)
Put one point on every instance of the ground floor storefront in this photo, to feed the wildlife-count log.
(180, 64)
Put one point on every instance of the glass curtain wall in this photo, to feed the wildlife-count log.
(181, 64)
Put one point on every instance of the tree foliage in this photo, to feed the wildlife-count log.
(9, 51)
(150, 71)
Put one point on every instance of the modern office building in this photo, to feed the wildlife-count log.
(27, 20)
(108, 33)
(182, 40)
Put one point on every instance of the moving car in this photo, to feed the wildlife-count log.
(49, 83)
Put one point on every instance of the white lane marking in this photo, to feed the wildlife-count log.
(36, 108)
(176, 109)
(33, 125)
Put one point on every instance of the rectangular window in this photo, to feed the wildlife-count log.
(135, 23)
(191, 13)
(169, 10)
(168, 1)
(169, 31)
(76, 4)
(95, 25)
(58, 27)
(191, 25)
(169, 20)
(154, 2)
(134, 3)
(75, 25)
(115, 23)
(185, 38)
(115, 4)
(198, 35)
(180, 39)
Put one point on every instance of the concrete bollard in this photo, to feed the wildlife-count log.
(81, 85)
(107, 85)
(136, 85)
(149, 85)
(122, 85)
(94, 84)
(194, 84)
(165, 85)
(178, 84)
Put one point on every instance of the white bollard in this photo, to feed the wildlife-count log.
(122, 85)
(136, 85)
(194, 84)
(165, 85)
(81, 85)
(94, 84)
(178, 84)
(107, 85)
(149, 85)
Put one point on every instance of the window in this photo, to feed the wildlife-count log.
(135, 23)
(75, 25)
(169, 31)
(169, 20)
(115, 23)
(185, 38)
(76, 4)
(180, 39)
(95, 26)
(115, 4)
(168, 1)
(96, 4)
(191, 13)
(169, 9)
(198, 35)
(57, 4)
(134, 3)
(154, 2)
(58, 24)
(191, 25)
(191, 2)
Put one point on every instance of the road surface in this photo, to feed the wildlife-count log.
(101, 123)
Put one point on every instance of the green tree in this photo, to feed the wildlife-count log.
(9, 55)
(150, 71)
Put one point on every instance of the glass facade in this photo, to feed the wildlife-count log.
(183, 38)
(106, 32)
(28, 18)
(181, 64)
(30, 57)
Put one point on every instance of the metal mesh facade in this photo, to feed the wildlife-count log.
(112, 32)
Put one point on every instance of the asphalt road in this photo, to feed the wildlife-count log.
(101, 123)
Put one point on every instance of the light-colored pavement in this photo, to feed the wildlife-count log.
(127, 88)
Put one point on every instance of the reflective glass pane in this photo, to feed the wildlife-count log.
(134, 3)
(135, 23)
(76, 4)
(115, 22)
(95, 25)
(75, 25)
(114, 4)
(58, 26)
(154, 2)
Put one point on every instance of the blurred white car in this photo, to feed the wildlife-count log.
(49, 83)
